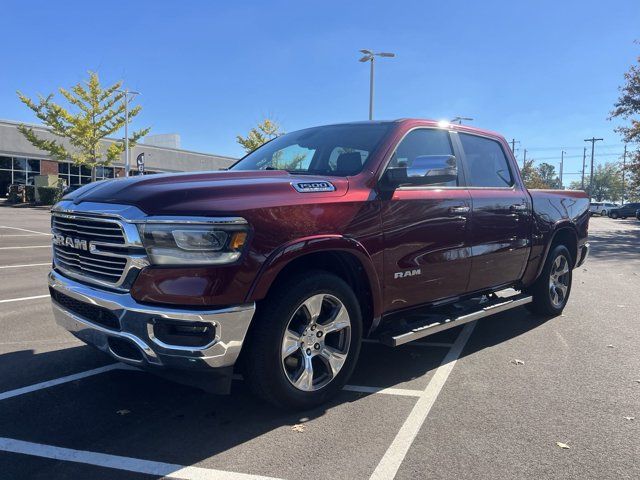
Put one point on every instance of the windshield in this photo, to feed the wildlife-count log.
(331, 150)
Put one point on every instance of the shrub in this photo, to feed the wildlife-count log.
(47, 195)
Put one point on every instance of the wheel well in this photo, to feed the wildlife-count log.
(567, 237)
(342, 264)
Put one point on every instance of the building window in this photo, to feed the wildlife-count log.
(17, 170)
(81, 175)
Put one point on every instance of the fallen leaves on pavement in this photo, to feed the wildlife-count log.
(515, 361)
(298, 428)
(563, 445)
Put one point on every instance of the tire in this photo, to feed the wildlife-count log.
(551, 292)
(603, 213)
(613, 215)
(623, 218)
(279, 353)
(638, 214)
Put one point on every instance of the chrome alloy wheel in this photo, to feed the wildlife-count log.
(316, 342)
(559, 280)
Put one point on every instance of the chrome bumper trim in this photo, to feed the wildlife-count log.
(231, 326)
(584, 253)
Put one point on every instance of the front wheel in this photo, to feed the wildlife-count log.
(551, 290)
(305, 341)
(613, 215)
(603, 213)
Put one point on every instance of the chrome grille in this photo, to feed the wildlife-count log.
(107, 256)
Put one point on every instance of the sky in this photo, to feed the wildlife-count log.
(543, 72)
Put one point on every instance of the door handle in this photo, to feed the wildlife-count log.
(459, 210)
(518, 207)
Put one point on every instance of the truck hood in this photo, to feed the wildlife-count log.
(209, 193)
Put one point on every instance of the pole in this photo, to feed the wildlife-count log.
(584, 162)
(127, 160)
(593, 141)
(561, 168)
(524, 161)
(624, 166)
(371, 91)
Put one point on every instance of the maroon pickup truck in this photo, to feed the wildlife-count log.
(280, 266)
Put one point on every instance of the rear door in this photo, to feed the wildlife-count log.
(426, 255)
(500, 225)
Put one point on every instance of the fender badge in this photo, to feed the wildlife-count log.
(310, 187)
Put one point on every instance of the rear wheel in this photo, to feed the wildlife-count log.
(305, 341)
(613, 215)
(603, 213)
(551, 290)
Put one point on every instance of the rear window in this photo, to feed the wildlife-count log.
(487, 164)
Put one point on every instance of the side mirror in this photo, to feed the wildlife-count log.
(424, 170)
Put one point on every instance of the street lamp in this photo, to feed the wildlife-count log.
(369, 56)
(127, 160)
(460, 119)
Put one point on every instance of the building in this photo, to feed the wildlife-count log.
(21, 162)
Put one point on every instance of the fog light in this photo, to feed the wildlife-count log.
(183, 334)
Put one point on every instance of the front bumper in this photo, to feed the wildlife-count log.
(136, 330)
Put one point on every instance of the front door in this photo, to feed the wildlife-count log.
(426, 249)
(501, 221)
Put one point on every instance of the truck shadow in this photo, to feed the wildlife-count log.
(136, 414)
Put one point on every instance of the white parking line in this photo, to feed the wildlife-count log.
(27, 265)
(130, 464)
(415, 343)
(23, 298)
(21, 235)
(30, 246)
(397, 451)
(61, 380)
(402, 392)
(25, 230)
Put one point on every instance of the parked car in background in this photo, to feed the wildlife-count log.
(626, 210)
(602, 208)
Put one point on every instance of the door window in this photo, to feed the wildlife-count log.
(423, 142)
(487, 164)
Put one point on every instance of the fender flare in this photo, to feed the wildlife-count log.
(285, 254)
(564, 224)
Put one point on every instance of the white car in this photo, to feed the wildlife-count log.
(601, 208)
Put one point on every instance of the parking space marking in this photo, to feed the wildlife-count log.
(23, 298)
(395, 454)
(130, 464)
(25, 230)
(61, 380)
(415, 344)
(402, 392)
(27, 265)
(30, 246)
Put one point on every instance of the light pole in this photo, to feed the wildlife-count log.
(460, 119)
(127, 160)
(561, 168)
(370, 56)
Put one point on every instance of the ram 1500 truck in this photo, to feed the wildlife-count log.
(281, 265)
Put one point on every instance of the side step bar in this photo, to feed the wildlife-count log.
(394, 339)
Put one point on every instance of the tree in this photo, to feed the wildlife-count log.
(531, 176)
(259, 135)
(627, 108)
(99, 113)
(607, 183)
(548, 175)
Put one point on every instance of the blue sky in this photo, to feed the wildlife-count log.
(544, 72)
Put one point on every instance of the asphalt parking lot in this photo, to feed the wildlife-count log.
(456, 406)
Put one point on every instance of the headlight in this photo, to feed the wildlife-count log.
(192, 244)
